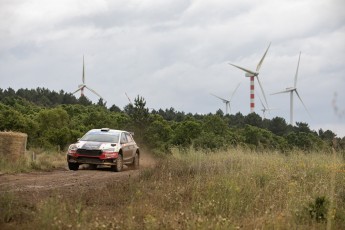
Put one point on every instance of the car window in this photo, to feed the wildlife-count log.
(101, 137)
(123, 138)
(129, 137)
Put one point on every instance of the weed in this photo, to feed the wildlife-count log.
(7, 207)
(318, 209)
(56, 213)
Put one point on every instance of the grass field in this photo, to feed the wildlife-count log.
(34, 160)
(236, 189)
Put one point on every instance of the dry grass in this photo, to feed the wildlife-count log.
(236, 189)
(34, 160)
(249, 190)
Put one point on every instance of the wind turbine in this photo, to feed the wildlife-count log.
(265, 108)
(227, 102)
(252, 74)
(82, 86)
(291, 90)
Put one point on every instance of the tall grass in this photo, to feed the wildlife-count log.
(251, 190)
(34, 160)
(235, 189)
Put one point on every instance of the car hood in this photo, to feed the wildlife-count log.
(91, 145)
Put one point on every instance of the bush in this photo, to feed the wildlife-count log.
(318, 209)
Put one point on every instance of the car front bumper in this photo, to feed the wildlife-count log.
(103, 159)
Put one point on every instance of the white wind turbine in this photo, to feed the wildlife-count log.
(291, 90)
(265, 108)
(252, 74)
(227, 102)
(83, 85)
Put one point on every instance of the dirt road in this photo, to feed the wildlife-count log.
(66, 180)
(45, 181)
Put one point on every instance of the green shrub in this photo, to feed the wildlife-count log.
(318, 209)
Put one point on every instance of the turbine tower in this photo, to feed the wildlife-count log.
(252, 75)
(227, 102)
(291, 90)
(82, 86)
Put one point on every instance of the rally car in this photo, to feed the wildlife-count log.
(105, 146)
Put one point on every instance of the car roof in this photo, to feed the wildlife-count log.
(108, 130)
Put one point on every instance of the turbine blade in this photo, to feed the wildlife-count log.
(262, 90)
(262, 59)
(235, 91)
(261, 100)
(83, 71)
(130, 102)
(94, 92)
(224, 100)
(295, 82)
(305, 107)
(244, 69)
(77, 90)
(284, 91)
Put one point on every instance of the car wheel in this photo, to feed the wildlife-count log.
(135, 164)
(73, 166)
(119, 164)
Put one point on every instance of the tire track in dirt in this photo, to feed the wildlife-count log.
(64, 179)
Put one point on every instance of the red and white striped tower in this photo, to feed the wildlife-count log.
(82, 92)
(252, 97)
(252, 74)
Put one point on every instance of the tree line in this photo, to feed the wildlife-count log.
(58, 118)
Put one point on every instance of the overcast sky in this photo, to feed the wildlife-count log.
(175, 53)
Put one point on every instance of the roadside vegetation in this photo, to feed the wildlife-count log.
(54, 120)
(34, 160)
(188, 189)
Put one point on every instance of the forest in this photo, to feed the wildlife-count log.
(53, 120)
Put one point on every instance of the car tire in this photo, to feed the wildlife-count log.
(135, 164)
(119, 164)
(73, 166)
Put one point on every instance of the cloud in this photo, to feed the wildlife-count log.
(174, 53)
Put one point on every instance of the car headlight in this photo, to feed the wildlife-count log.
(110, 150)
(72, 149)
(109, 153)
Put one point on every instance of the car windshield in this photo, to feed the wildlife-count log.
(101, 137)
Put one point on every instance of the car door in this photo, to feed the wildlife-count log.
(125, 146)
(131, 145)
